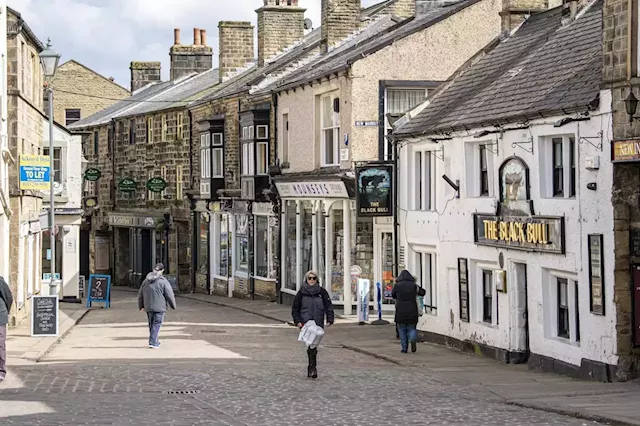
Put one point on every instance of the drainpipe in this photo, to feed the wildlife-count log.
(277, 201)
(192, 214)
(396, 225)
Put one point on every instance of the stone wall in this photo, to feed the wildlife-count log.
(340, 18)
(144, 73)
(403, 8)
(279, 26)
(236, 47)
(188, 59)
(620, 73)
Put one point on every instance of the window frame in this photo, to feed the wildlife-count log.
(334, 128)
(270, 236)
(424, 187)
(149, 129)
(96, 142)
(387, 150)
(264, 127)
(132, 132)
(427, 269)
(551, 302)
(262, 167)
(164, 127)
(73, 120)
(487, 296)
(483, 163)
(557, 165)
(60, 160)
(564, 321)
(559, 158)
(285, 137)
(179, 184)
(205, 155)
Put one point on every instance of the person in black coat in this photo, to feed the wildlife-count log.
(312, 303)
(405, 292)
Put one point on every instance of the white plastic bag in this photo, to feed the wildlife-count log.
(311, 334)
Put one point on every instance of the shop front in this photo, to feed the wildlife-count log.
(138, 246)
(201, 248)
(221, 247)
(320, 232)
(265, 250)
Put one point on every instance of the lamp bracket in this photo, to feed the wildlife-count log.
(441, 151)
(529, 142)
(488, 145)
(587, 139)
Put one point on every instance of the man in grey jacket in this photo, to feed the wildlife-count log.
(154, 296)
(6, 301)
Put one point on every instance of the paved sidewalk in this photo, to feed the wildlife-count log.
(23, 349)
(614, 403)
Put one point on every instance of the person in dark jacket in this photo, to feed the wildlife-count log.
(154, 296)
(405, 292)
(312, 303)
(6, 301)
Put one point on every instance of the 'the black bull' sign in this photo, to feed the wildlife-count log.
(530, 233)
(374, 195)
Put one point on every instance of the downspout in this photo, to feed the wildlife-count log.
(192, 213)
(277, 202)
(111, 134)
(396, 224)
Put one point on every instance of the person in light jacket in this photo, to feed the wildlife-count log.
(6, 301)
(405, 292)
(154, 296)
(312, 303)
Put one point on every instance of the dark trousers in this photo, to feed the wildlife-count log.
(155, 322)
(313, 357)
(3, 351)
(408, 333)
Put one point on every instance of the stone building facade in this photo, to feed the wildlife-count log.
(621, 73)
(280, 25)
(25, 113)
(80, 92)
(5, 162)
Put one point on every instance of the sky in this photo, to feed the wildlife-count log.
(106, 35)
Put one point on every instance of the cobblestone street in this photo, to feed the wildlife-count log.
(220, 366)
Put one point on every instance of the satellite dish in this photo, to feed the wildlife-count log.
(308, 25)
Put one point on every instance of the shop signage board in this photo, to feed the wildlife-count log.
(127, 185)
(316, 189)
(99, 290)
(34, 172)
(531, 233)
(625, 151)
(374, 194)
(44, 316)
(126, 221)
(463, 288)
(156, 184)
(92, 174)
(596, 275)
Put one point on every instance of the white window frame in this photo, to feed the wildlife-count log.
(179, 126)
(164, 127)
(149, 129)
(424, 179)
(248, 159)
(163, 175)
(388, 151)
(473, 152)
(477, 304)
(547, 162)
(262, 168)
(151, 196)
(270, 254)
(217, 233)
(179, 185)
(426, 267)
(205, 156)
(285, 137)
(217, 155)
(68, 121)
(61, 161)
(217, 139)
(264, 129)
(550, 301)
(334, 126)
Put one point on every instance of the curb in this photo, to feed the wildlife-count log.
(211, 302)
(45, 352)
(571, 413)
(371, 354)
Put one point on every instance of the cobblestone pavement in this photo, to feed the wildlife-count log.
(218, 366)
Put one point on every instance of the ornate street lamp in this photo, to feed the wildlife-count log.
(631, 105)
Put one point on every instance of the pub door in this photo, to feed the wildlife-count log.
(147, 252)
(383, 260)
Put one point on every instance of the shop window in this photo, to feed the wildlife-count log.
(46, 253)
(487, 296)
(71, 116)
(264, 248)
(203, 244)
(337, 259)
(289, 254)
(330, 129)
(558, 157)
(223, 247)
(427, 280)
(242, 245)
(57, 163)
(424, 182)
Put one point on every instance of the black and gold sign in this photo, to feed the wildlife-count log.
(532, 233)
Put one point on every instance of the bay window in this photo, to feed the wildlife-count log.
(205, 156)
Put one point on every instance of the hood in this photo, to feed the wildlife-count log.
(405, 276)
(153, 276)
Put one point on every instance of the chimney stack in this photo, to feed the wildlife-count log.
(340, 19)
(188, 59)
(404, 8)
(236, 47)
(515, 12)
(144, 73)
(280, 25)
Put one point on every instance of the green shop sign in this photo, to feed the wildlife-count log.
(92, 174)
(156, 184)
(127, 185)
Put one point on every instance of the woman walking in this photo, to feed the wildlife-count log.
(405, 292)
(312, 303)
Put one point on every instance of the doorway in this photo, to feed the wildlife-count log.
(147, 253)
(383, 260)
(520, 339)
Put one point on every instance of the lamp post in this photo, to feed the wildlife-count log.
(49, 60)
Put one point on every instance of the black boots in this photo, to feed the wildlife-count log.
(312, 372)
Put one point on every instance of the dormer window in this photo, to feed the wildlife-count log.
(255, 150)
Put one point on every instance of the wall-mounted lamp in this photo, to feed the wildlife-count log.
(631, 105)
(455, 186)
(592, 186)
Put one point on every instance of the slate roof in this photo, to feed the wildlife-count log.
(545, 68)
(380, 34)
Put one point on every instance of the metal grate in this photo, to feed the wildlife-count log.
(182, 392)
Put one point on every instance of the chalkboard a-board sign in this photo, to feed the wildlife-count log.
(99, 290)
(44, 316)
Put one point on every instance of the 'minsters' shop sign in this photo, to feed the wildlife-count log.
(317, 189)
(514, 225)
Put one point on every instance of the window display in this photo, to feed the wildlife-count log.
(262, 246)
(242, 244)
(223, 261)
(203, 244)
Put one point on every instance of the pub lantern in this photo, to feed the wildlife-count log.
(631, 105)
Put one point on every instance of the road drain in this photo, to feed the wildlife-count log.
(182, 392)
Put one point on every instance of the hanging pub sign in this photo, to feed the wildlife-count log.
(374, 195)
(92, 174)
(514, 225)
(127, 185)
(596, 278)
(156, 184)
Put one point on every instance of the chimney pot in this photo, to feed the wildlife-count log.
(280, 25)
(196, 37)
(203, 37)
(176, 36)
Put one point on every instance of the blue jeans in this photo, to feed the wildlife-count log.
(408, 332)
(155, 322)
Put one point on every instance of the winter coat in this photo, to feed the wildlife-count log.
(6, 301)
(156, 293)
(405, 292)
(312, 303)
